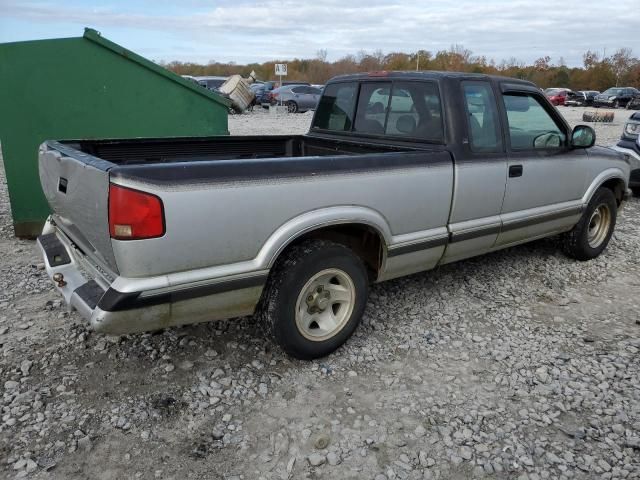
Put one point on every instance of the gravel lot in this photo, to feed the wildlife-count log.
(522, 364)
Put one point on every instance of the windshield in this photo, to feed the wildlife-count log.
(613, 91)
(552, 91)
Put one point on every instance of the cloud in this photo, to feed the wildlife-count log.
(256, 31)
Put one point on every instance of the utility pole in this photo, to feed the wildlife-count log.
(418, 60)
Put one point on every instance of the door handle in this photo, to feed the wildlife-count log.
(515, 171)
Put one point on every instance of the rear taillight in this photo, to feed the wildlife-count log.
(134, 215)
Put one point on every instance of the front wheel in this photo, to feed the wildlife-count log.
(315, 298)
(616, 104)
(591, 235)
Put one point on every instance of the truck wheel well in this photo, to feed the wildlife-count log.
(617, 187)
(363, 240)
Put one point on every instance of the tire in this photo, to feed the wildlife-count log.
(292, 299)
(592, 233)
(616, 104)
(292, 106)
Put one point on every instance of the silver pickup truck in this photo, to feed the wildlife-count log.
(400, 172)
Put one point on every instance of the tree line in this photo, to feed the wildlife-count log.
(598, 72)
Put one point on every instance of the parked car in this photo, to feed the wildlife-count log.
(629, 144)
(615, 97)
(190, 78)
(261, 92)
(297, 98)
(575, 99)
(294, 82)
(212, 83)
(273, 84)
(557, 96)
(580, 98)
(589, 96)
(296, 227)
(634, 103)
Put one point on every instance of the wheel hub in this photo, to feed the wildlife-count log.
(319, 300)
(325, 304)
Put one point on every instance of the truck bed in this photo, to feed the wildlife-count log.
(153, 151)
(209, 180)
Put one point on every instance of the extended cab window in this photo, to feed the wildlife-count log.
(336, 107)
(482, 117)
(531, 127)
(372, 107)
(414, 111)
(400, 109)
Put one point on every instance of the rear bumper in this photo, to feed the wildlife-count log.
(108, 310)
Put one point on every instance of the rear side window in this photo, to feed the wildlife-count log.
(482, 117)
(373, 104)
(336, 108)
(400, 109)
(415, 111)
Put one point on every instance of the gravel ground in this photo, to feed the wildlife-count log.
(521, 364)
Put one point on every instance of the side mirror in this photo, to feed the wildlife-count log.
(583, 136)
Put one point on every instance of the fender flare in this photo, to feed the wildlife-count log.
(610, 173)
(317, 219)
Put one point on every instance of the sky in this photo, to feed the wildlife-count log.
(244, 31)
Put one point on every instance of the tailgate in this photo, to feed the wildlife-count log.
(76, 186)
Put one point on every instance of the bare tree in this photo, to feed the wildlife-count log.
(621, 62)
(322, 54)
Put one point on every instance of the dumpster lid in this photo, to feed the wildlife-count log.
(95, 36)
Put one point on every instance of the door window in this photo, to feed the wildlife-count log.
(482, 117)
(531, 127)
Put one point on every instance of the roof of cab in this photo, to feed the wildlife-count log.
(425, 74)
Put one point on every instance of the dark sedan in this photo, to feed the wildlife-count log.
(589, 95)
(261, 92)
(581, 98)
(615, 97)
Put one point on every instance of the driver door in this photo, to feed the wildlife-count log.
(545, 178)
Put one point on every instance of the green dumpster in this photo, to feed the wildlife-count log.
(87, 87)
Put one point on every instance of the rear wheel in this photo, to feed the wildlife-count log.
(315, 298)
(292, 106)
(591, 235)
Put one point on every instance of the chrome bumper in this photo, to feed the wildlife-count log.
(108, 310)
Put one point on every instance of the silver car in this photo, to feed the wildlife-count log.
(297, 98)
